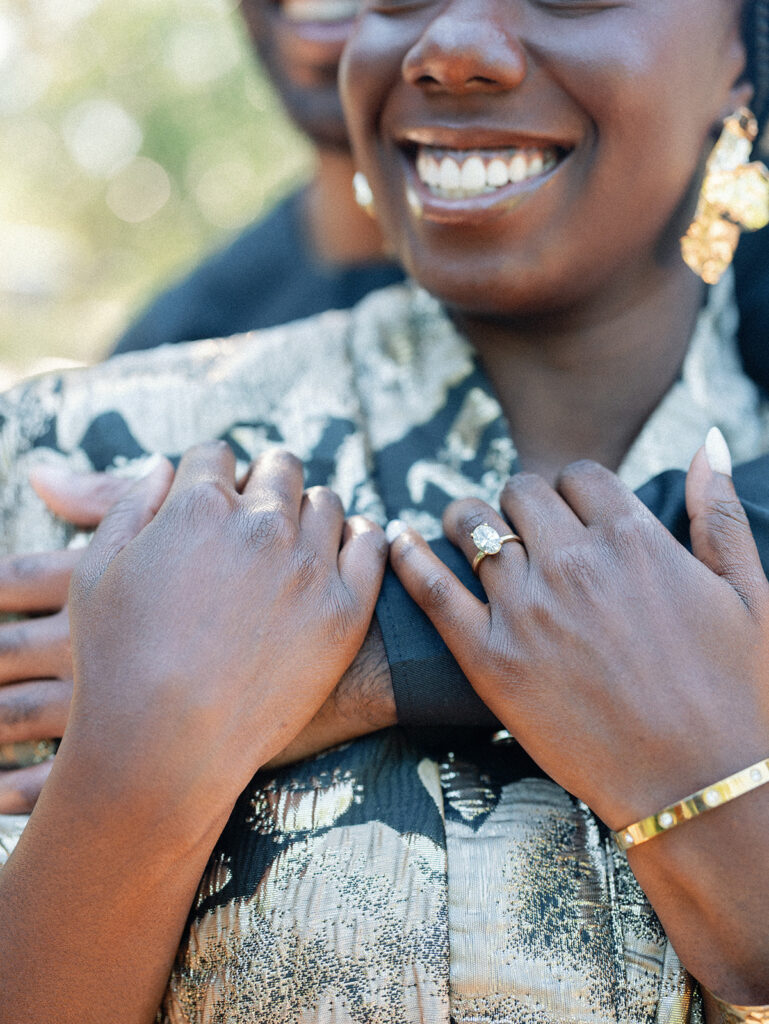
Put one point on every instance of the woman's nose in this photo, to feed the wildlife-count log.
(464, 51)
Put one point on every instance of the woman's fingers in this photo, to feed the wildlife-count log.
(34, 710)
(210, 463)
(720, 533)
(598, 497)
(81, 498)
(321, 518)
(35, 648)
(20, 787)
(362, 560)
(276, 484)
(463, 518)
(540, 515)
(36, 583)
(460, 618)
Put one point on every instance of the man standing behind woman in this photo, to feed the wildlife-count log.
(317, 249)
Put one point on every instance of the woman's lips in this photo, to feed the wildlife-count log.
(449, 184)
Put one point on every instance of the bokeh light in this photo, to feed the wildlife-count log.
(133, 138)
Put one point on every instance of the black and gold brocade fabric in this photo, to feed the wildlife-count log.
(384, 882)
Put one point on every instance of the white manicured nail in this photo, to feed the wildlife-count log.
(717, 452)
(394, 529)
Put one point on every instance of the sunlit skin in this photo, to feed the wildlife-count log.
(599, 627)
(572, 289)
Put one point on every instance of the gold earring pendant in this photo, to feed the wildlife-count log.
(734, 196)
(364, 197)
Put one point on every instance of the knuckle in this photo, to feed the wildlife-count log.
(282, 461)
(21, 570)
(208, 449)
(573, 565)
(581, 469)
(324, 497)
(471, 513)
(520, 484)
(268, 527)
(83, 583)
(632, 530)
(18, 709)
(726, 517)
(14, 640)
(340, 619)
(202, 500)
(500, 654)
(435, 593)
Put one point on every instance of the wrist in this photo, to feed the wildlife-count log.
(707, 886)
(98, 790)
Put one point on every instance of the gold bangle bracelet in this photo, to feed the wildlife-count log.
(706, 799)
(729, 1014)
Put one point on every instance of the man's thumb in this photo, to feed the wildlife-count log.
(82, 499)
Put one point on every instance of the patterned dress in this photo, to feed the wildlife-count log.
(385, 881)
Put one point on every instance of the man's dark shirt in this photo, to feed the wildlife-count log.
(267, 276)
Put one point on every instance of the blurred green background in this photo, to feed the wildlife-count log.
(134, 135)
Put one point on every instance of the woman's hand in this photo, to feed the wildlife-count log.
(208, 628)
(36, 665)
(205, 644)
(633, 672)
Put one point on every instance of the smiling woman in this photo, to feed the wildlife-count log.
(535, 164)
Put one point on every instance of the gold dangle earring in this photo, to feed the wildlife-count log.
(364, 197)
(735, 195)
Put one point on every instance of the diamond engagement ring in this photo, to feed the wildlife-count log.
(489, 542)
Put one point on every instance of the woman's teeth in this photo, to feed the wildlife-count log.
(461, 175)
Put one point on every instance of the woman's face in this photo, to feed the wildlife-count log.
(532, 154)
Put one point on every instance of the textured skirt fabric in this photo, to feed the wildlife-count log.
(375, 884)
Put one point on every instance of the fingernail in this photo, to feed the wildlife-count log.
(717, 452)
(394, 529)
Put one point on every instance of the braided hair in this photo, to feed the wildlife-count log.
(755, 31)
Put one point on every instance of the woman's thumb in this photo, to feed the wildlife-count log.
(719, 529)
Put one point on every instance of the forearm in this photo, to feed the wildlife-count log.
(93, 903)
(707, 882)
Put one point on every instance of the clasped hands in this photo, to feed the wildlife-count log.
(613, 655)
(215, 623)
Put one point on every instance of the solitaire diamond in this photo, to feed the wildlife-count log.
(666, 820)
(486, 539)
(712, 797)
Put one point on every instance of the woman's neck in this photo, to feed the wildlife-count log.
(583, 385)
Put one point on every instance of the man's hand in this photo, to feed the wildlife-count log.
(35, 660)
